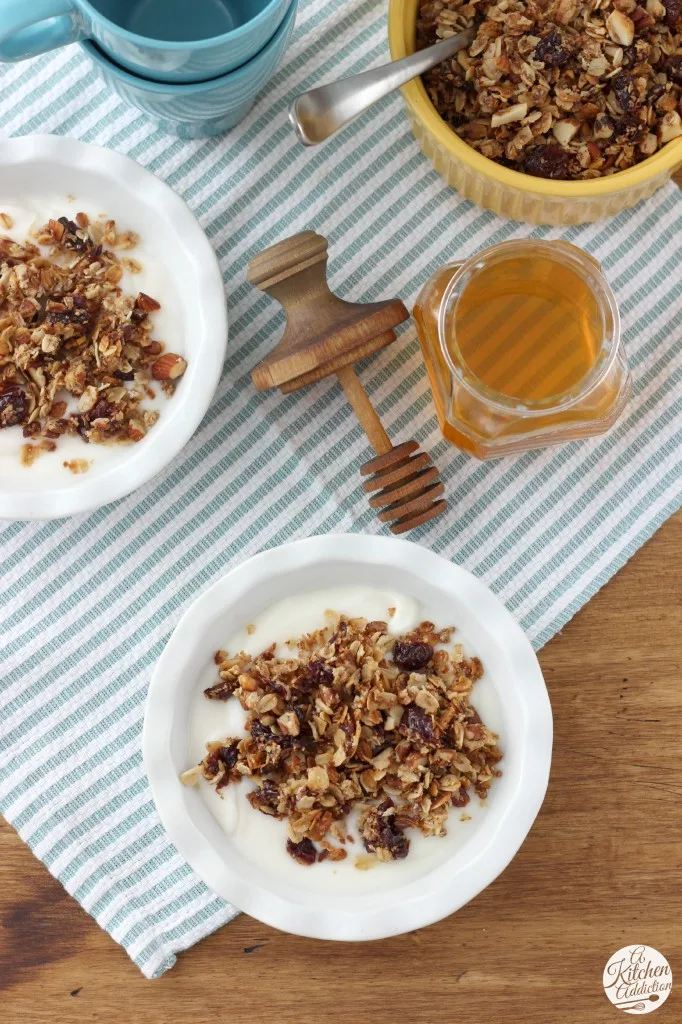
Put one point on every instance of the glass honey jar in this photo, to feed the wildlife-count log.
(523, 349)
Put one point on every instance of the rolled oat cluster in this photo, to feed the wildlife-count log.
(70, 336)
(358, 720)
(560, 88)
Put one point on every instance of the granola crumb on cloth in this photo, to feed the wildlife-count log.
(76, 353)
(359, 720)
(560, 89)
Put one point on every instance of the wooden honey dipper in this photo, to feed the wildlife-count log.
(325, 334)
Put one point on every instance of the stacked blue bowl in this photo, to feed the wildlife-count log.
(195, 67)
(199, 108)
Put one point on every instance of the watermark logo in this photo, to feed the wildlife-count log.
(637, 979)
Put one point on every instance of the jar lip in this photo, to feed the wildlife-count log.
(557, 251)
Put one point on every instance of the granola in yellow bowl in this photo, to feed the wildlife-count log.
(559, 89)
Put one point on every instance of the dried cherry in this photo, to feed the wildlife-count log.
(674, 66)
(625, 92)
(673, 9)
(229, 755)
(419, 723)
(320, 674)
(260, 733)
(304, 852)
(548, 161)
(629, 129)
(552, 51)
(71, 238)
(461, 798)
(383, 832)
(13, 406)
(412, 657)
(76, 317)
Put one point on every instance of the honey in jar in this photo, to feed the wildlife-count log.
(522, 345)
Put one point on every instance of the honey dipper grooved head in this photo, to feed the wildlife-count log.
(406, 487)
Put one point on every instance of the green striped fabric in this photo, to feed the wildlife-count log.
(89, 602)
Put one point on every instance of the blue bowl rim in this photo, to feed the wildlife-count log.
(188, 88)
(197, 44)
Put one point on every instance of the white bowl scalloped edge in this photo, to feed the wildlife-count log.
(377, 561)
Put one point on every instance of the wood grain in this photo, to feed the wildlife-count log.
(601, 868)
(325, 334)
(364, 410)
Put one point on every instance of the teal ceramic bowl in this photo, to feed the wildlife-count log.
(179, 41)
(202, 108)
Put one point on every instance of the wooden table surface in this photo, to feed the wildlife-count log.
(601, 869)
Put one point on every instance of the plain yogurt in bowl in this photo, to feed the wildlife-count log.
(262, 838)
(239, 852)
(43, 176)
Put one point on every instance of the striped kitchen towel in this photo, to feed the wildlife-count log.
(89, 602)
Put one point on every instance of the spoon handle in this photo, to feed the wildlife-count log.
(318, 114)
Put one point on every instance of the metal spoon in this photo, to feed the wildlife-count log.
(321, 112)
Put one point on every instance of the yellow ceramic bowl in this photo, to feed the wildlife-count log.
(511, 193)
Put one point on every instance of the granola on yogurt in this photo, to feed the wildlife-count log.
(560, 89)
(77, 355)
(359, 720)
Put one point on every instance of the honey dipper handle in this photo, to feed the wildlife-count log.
(364, 410)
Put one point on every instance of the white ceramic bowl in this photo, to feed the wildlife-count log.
(509, 662)
(39, 167)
